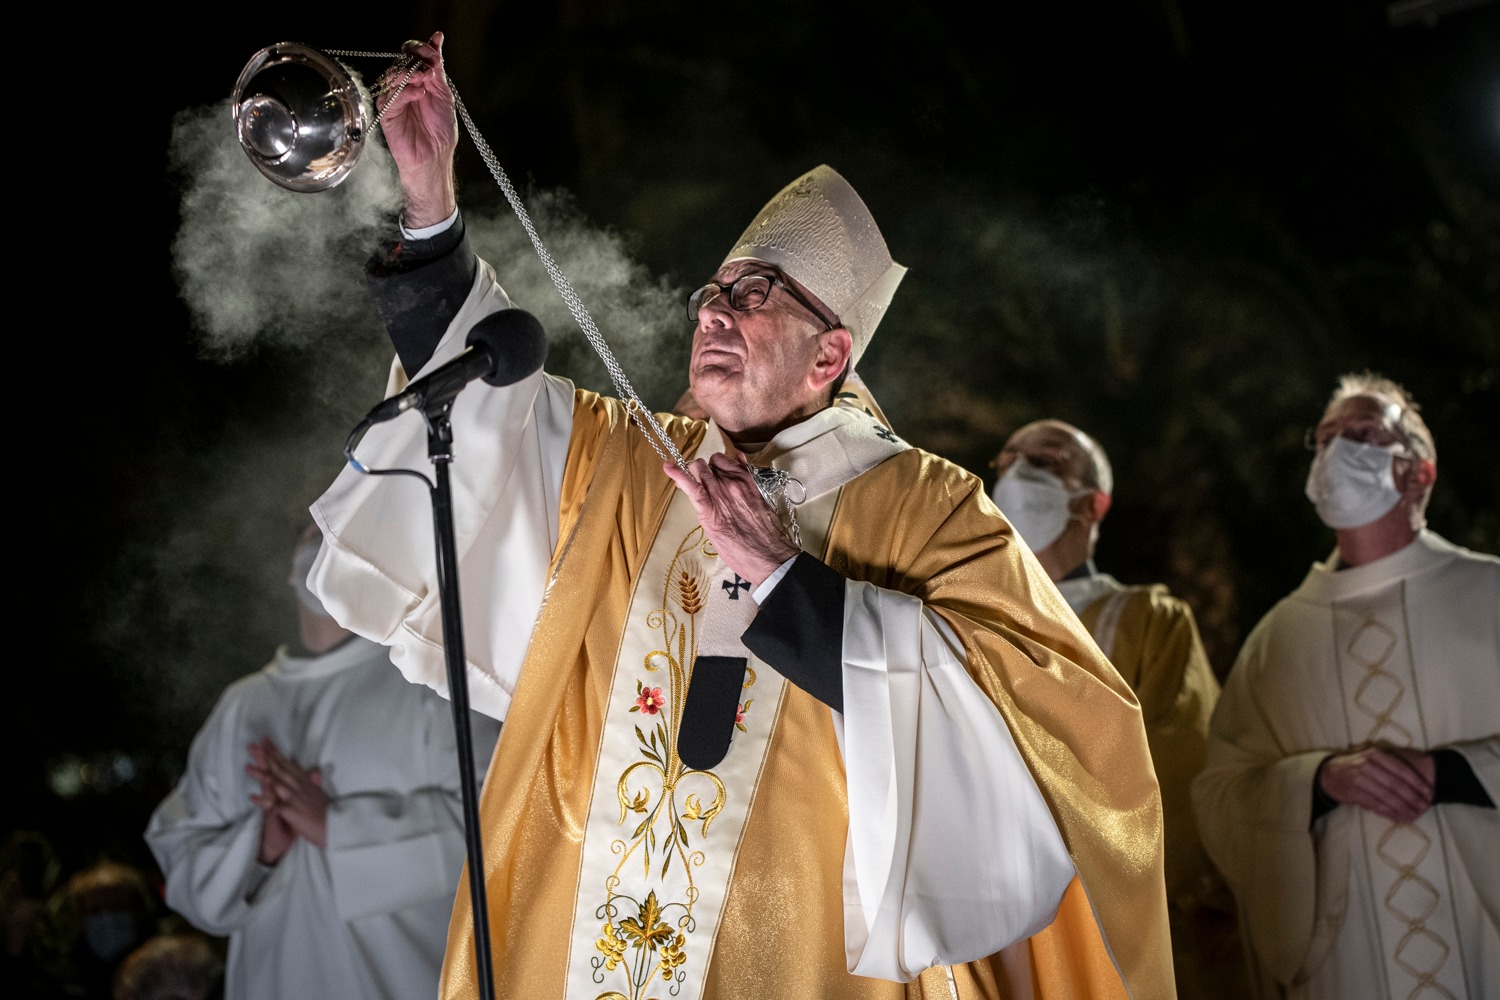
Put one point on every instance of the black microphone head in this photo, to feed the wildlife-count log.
(515, 340)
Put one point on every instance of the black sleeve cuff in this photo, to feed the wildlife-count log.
(1322, 802)
(418, 287)
(800, 630)
(1455, 782)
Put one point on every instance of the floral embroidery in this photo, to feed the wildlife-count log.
(739, 714)
(670, 805)
(648, 700)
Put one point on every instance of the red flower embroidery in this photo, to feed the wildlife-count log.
(739, 716)
(650, 700)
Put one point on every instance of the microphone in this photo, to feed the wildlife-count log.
(503, 348)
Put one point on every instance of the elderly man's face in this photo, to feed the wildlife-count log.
(754, 371)
(1047, 446)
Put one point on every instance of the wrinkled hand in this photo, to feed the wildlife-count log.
(1394, 783)
(734, 515)
(421, 130)
(293, 794)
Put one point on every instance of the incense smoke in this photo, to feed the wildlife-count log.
(274, 279)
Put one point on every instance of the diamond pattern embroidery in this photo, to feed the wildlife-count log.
(1420, 953)
(1378, 693)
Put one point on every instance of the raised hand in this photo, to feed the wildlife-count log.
(734, 515)
(421, 130)
(1381, 780)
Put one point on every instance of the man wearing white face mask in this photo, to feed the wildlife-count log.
(1353, 760)
(1055, 486)
(318, 825)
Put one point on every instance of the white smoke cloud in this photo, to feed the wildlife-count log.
(258, 264)
(276, 277)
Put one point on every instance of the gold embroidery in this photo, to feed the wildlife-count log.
(641, 939)
(1411, 899)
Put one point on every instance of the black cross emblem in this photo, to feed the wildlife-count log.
(734, 587)
(884, 432)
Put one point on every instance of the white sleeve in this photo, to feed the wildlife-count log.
(952, 852)
(205, 835)
(428, 232)
(377, 574)
(388, 850)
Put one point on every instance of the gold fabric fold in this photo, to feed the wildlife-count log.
(910, 524)
(1075, 720)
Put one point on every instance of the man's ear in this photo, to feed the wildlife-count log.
(834, 348)
(1099, 502)
(1418, 477)
(1090, 508)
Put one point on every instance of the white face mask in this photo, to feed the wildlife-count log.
(1035, 502)
(1351, 484)
(302, 561)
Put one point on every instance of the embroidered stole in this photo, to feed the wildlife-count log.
(1413, 902)
(662, 836)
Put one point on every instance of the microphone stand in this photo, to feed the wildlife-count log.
(439, 449)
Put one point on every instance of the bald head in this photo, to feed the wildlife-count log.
(1062, 449)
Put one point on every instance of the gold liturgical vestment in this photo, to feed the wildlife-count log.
(914, 524)
(1152, 639)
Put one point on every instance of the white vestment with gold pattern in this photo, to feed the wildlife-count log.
(1403, 652)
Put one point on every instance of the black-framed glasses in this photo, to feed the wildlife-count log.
(748, 293)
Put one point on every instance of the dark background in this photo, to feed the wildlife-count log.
(1171, 222)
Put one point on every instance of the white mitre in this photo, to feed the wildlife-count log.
(818, 231)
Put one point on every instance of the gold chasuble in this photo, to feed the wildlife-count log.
(1152, 639)
(614, 870)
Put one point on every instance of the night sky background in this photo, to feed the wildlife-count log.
(1171, 222)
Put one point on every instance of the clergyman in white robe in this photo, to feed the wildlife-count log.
(1337, 901)
(366, 916)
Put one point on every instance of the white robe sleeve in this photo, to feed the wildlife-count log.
(205, 835)
(390, 850)
(952, 852)
(1253, 801)
(376, 573)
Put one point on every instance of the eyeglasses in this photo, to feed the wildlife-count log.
(1056, 460)
(746, 294)
(1367, 434)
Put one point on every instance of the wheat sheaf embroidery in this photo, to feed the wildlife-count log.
(666, 807)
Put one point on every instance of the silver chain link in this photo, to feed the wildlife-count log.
(660, 443)
(782, 492)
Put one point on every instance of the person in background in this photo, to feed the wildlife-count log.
(183, 966)
(319, 823)
(29, 873)
(1353, 761)
(1055, 485)
(99, 915)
